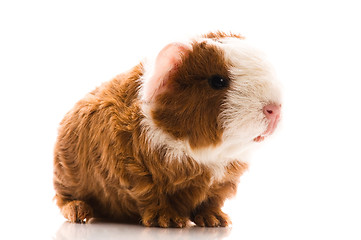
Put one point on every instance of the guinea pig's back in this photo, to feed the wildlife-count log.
(93, 139)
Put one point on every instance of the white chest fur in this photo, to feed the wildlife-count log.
(215, 159)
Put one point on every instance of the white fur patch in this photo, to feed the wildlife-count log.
(148, 66)
(253, 85)
(214, 158)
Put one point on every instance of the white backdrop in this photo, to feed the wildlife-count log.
(304, 183)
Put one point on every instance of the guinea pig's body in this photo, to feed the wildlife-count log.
(163, 143)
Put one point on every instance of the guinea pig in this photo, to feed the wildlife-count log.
(164, 143)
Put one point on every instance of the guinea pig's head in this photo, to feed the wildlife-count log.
(214, 92)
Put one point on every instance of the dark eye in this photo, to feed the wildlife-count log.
(218, 82)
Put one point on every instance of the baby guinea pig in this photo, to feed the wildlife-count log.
(163, 144)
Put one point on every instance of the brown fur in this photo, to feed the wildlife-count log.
(103, 166)
(196, 117)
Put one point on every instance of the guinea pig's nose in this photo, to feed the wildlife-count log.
(272, 111)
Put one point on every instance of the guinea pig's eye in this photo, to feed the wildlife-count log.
(218, 82)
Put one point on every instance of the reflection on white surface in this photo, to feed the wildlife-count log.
(104, 230)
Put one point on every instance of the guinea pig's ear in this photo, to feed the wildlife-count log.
(167, 61)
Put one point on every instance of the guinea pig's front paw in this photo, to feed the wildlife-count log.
(77, 211)
(163, 219)
(211, 218)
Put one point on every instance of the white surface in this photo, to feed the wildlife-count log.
(124, 231)
(303, 184)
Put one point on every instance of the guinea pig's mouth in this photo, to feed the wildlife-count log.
(260, 138)
(272, 125)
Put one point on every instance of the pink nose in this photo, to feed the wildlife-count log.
(272, 111)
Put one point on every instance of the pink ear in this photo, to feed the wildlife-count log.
(168, 59)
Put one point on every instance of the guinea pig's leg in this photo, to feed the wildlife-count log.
(209, 213)
(77, 211)
(209, 216)
(163, 210)
(163, 216)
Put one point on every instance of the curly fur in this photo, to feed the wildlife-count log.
(115, 154)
